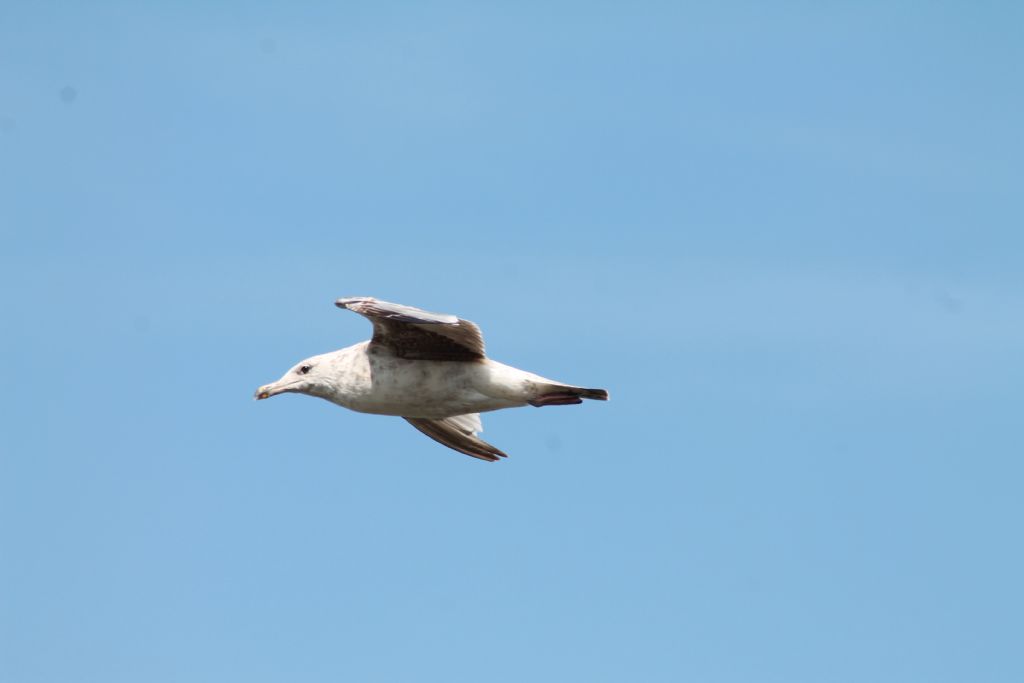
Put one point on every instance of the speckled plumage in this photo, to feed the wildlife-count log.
(428, 368)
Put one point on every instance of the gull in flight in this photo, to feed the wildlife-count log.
(428, 368)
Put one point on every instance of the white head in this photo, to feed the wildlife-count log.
(309, 377)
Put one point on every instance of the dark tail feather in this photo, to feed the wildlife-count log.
(566, 396)
(596, 394)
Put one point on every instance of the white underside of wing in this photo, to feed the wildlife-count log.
(469, 423)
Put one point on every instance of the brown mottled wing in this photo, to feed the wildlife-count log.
(418, 335)
(455, 433)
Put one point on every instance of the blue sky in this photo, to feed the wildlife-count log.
(786, 237)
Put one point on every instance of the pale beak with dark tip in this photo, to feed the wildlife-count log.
(268, 390)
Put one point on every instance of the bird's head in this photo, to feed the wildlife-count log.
(306, 377)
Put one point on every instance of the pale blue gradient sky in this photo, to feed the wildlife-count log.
(787, 238)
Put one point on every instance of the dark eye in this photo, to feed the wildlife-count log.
(304, 369)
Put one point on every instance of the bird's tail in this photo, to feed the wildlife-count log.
(564, 395)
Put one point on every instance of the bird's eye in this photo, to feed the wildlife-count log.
(304, 369)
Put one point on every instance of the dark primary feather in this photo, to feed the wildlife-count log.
(463, 440)
(416, 334)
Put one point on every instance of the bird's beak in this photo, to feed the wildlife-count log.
(287, 384)
(268, 390)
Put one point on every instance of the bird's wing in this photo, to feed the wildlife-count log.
(418, 335)
(458, 433)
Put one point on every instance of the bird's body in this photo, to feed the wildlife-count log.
(428, 368)
(375, 380)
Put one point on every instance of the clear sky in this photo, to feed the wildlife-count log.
(787, 237)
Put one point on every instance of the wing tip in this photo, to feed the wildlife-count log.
(489, 457)
(346, 301)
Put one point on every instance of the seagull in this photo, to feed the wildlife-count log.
(428, 368)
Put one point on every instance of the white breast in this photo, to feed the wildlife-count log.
(378, 382)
